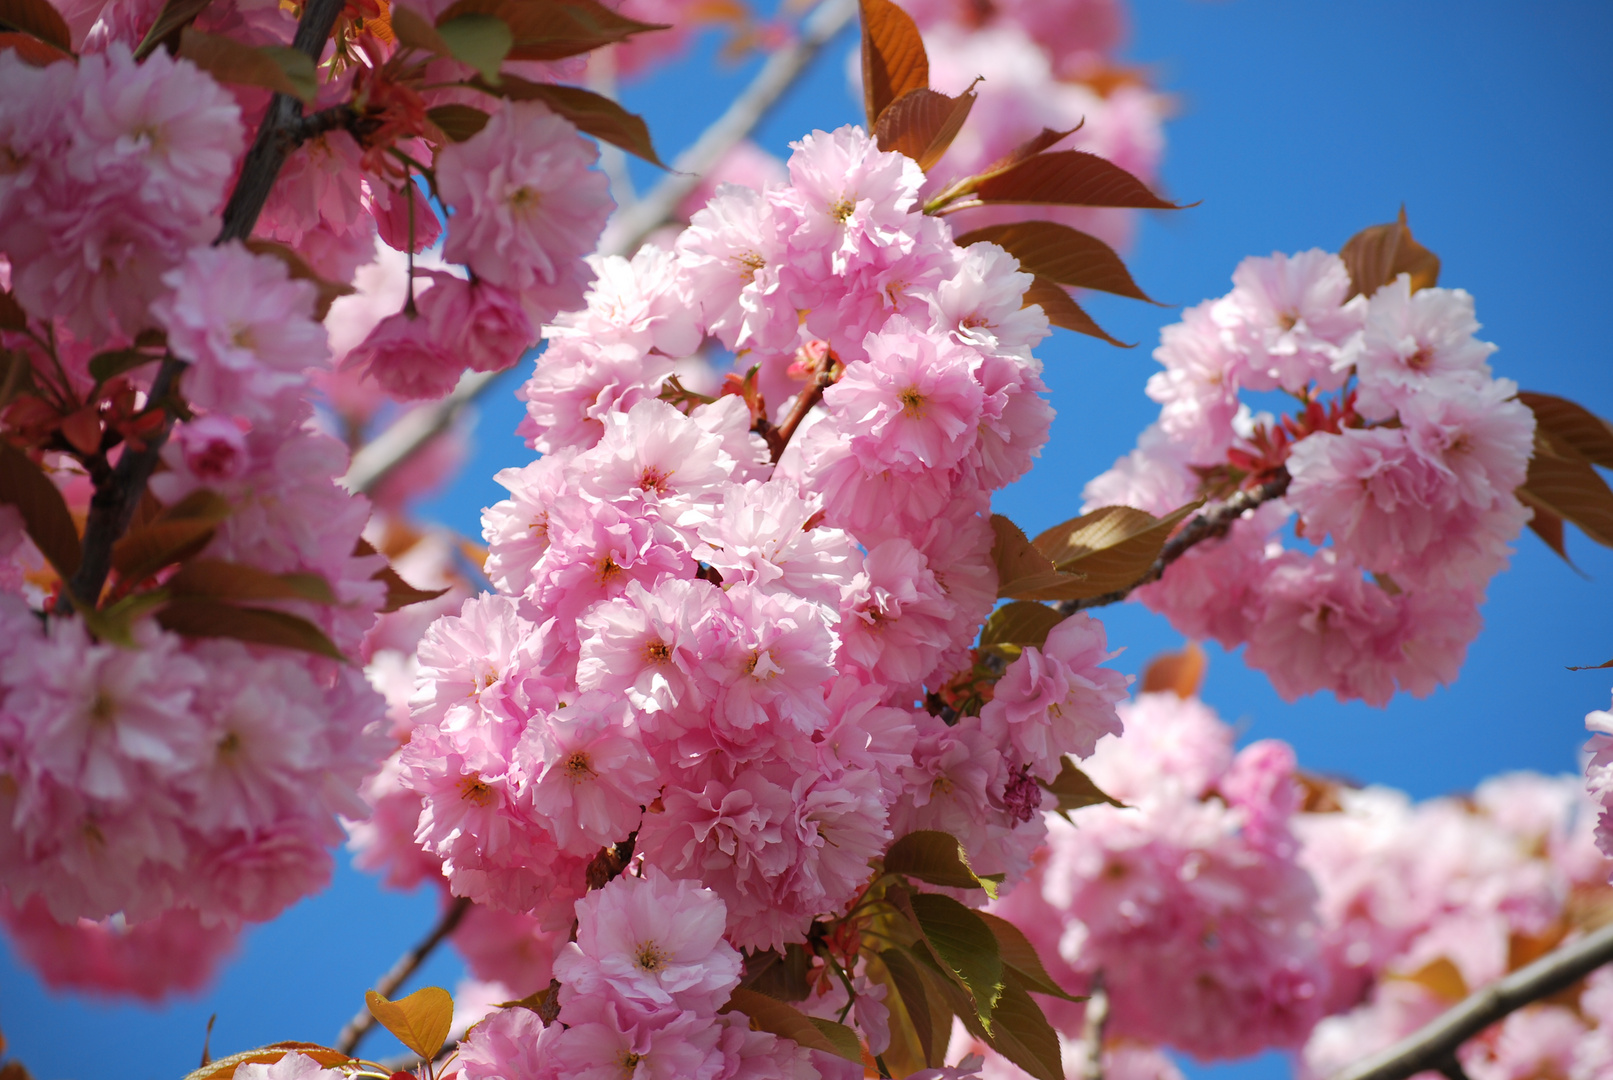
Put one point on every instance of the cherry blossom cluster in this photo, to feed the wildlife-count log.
(641, 989)
(1404, 452)
(1236, 904)
(162, 770)
(709, 666)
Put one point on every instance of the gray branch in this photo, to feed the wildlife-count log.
(1434, 1047)
(113, 504)
(1200, 528)
(1093, 1028)
(376, 460)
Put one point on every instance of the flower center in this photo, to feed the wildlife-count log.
(524, 200)
(579, 768)
(842, 209)
(650, 957)
(473, 791)
(654, 479)
(912, 402)
(657, 652)
(749, 263)
(229, 745)
(606, 569)
(1422, 359)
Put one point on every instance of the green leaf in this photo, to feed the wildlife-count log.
(1061, 254)
(221, 580)
(893, 57)
(1377, 255)
(109, 365)
(195, 617)
(273, 67)
(922, 124)
(459, 122)
(412, 30)
(593, 114)
(116, 623)
(935, 857)
(224, 1068)
(481, 41)
(145, 550)
(37, 19)
(1062, 310)
(44, 512)
(1019, 956)
(1020, 1032)
(963, 943)
(174, 16)
(421, 1021)
(1074, 789)
(843, 1039)
(1021, 623)
(788, 1022)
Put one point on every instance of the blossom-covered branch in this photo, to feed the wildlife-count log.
(354, 1030)
(1436, 1044)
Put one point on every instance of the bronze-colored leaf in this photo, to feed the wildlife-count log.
(1021, 623)
(782, 976)
(1593, 667)
(594, 114)
(421, 1021)
(1572, 490)
(220, 580)
(1110, 549)
(301, 270)
(1074, 789)
(893, 56)
(12, 317)
(1377, 255)
(787, 1022)
(1062, 310)
(273, 67)
(1046, 139)
(1439, 976)
(550, 29)
(1571, 428)
(1549, 527)
(195, 617)
(922, 124)
(1069, 178)
(459, 122)
(1021, 568)
(174, 17)
(30, 49)
(142, 552)
(38, 19)
(1181, 673)
(912, 1019)
(224, 1068)
(1061, 254)
(44, 512)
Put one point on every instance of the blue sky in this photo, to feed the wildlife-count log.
(1299, 122)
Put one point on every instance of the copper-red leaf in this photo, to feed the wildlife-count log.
(922, 124)
(1069, 178)
(37, 19)
(44, 512)
(893, 56)
(1063, 311)
(1571, 428)
(1377, 255)
(1062, 254)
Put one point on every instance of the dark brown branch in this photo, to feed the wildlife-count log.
(1434, 1047)
(113, 504)
(1202, 527)
(354, 1030)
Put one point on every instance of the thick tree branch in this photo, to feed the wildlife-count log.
(1434, 1047)
(354, 1030)
(376, 460)
(1200, 528)
(113, 504)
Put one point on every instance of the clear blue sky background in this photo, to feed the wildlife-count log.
(1300, 122)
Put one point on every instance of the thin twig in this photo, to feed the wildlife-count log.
(354, 1030)
(1200, 528)
(1434, 1047)
(1092, 1029)
(376, 460)
(113, 504)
